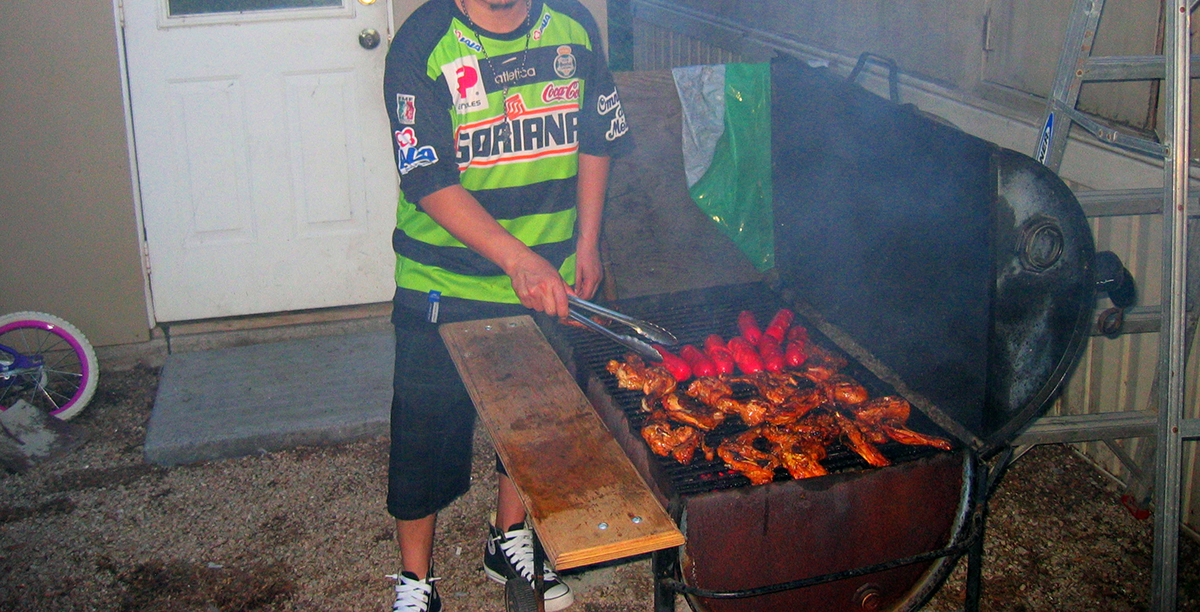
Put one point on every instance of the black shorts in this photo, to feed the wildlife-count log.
(433, 420)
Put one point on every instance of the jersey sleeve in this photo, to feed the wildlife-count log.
(418, 108)
(604, 129)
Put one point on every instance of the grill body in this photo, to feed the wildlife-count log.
(742, 537)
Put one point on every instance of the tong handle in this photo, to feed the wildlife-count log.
(644, 328)
(637, 346)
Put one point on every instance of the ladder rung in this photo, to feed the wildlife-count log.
(1126, 202)
(1112, 136)
(1130, 68)
(1189, 428)
(1088, 427)
(1138, 320)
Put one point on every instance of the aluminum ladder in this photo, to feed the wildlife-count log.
(1170, 428)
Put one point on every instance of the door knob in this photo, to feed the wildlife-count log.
(368, 38)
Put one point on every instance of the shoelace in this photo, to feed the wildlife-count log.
(412, 595)
(517, 545)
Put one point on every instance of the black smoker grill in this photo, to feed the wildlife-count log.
(950, 271)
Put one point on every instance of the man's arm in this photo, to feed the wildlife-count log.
(536, 282)
(593, 182)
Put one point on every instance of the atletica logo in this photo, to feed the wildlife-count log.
(509, 76)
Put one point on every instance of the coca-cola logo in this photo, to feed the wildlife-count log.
(561, 93)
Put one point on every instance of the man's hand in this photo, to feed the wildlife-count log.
(538, 285)
(588, 271)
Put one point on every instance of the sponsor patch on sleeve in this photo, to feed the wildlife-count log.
(406, 109)
(617, 126)
(409, 152)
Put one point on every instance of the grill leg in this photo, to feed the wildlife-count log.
(664, 563)
(983, 488)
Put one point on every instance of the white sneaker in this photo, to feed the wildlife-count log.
(510, 555)
(413, 595)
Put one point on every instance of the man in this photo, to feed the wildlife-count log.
(504, 117)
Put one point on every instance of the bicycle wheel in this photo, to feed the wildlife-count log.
(46, 362)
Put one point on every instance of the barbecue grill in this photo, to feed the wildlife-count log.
(949, 271)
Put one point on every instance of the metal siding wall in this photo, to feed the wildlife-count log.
(656, 48)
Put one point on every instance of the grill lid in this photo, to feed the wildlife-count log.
(965, 268)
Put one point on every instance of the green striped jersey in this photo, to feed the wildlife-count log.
(505, 116)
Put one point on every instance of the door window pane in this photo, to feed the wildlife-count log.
(204, 7)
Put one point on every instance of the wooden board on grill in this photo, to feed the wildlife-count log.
(585, 499)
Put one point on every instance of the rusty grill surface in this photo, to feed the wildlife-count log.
(692, 316)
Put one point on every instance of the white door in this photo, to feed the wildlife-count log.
(263, 153)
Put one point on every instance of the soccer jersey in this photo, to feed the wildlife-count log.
(505, 116)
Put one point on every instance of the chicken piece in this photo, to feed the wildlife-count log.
(690, 412)
(885, 409)
(800, 454)
(844, 391)
(709, 389)
(884, 418)
(796, 406)
(858, 442)
(775, 387)
(912, 438)
(634, 374)
(820, 426)
(821, 364)
(740, 454)
(717, 394)
(668, 441)
(752, 411)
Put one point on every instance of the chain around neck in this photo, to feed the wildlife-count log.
(462, 5)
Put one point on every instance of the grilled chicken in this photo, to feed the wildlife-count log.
(679, 442)
(884, 417)
(633, 373)
(843, 390)
(691, 412)
(800, 453)
(821, 364)
(740, 454)
(796, 406)
(859, 443)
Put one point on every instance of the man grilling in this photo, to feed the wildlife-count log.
(504, 117)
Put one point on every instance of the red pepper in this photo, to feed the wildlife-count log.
(783, 318)
(748, 325)
(794, 354)
(716, 350)
(745, 356)
(676, 365)
(779, 324)
(771, 353)
(700, 363)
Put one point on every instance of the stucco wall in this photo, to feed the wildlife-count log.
(67, 222)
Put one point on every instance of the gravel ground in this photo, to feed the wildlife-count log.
(99, 529)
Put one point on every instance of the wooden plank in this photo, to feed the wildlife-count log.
(586, 501)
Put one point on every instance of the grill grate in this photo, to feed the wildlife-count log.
(692, 316)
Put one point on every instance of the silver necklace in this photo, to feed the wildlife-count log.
(524, 54)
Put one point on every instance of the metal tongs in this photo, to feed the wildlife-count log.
(645, 329)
